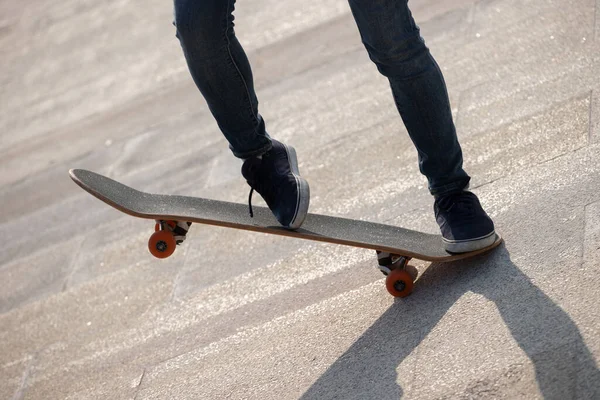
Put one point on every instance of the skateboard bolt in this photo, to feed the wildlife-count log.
(161, 246)
(399, 285)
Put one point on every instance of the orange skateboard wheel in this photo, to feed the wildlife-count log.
(399, 283)
(162, 244)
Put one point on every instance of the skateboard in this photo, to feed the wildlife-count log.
(395, 246)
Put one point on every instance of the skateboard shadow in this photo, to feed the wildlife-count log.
(564, 366)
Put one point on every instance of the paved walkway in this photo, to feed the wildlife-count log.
(86, 312)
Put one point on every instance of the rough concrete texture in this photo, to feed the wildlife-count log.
(86, 312)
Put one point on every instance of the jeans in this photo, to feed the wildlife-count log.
(221, 70)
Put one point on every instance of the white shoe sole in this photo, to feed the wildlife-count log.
(303, 199)
(465, 246)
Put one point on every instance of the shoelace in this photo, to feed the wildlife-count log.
(253, 165)
(250, 203)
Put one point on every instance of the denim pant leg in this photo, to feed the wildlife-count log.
(221, 71)
(395, 45)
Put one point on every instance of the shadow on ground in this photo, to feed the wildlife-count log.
(564, 366)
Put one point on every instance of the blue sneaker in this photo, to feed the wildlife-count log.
(464, 224)
(275, 176)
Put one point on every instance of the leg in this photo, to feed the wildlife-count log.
(221, 71)
(394, 44)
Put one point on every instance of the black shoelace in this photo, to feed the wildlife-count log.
(250, 202)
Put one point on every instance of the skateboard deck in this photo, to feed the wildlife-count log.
(402, 243)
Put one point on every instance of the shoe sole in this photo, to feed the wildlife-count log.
(303, 198)
(465, 246)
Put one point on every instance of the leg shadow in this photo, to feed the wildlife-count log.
(564, 366)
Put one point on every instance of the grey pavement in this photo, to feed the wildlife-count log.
(87, 313)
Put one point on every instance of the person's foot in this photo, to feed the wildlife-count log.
(276, 178)
(464, 224)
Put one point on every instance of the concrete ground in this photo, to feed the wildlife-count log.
(86, 312)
